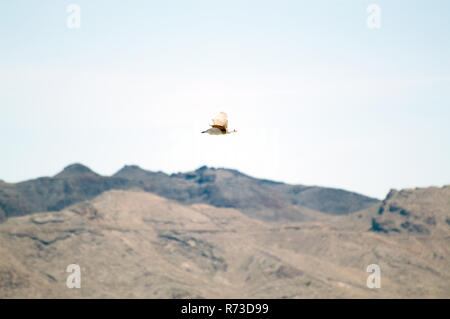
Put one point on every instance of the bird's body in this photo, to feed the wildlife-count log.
(214, 131)
(219, 126)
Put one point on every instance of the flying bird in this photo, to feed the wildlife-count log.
(220, 125)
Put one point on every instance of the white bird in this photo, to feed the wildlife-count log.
(220, 125)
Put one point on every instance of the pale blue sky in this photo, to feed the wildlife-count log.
(317, 97)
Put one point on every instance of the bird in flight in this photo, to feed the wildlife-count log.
(220, 125)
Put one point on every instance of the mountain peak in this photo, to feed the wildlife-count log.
(202, 168)
(130, 168)
(132, 171)
(76, 169)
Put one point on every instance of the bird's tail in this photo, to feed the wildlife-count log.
(204, 132)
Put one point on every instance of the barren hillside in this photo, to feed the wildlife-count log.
(258, 198)
(135, 244)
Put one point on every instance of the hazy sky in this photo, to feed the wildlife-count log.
(317, 97)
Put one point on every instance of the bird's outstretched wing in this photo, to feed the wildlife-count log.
(220, 121)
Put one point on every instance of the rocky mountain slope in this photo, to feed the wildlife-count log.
(422, 211)
(135, 244)
(258, 198)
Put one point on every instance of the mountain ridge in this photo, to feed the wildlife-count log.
(219, 187)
